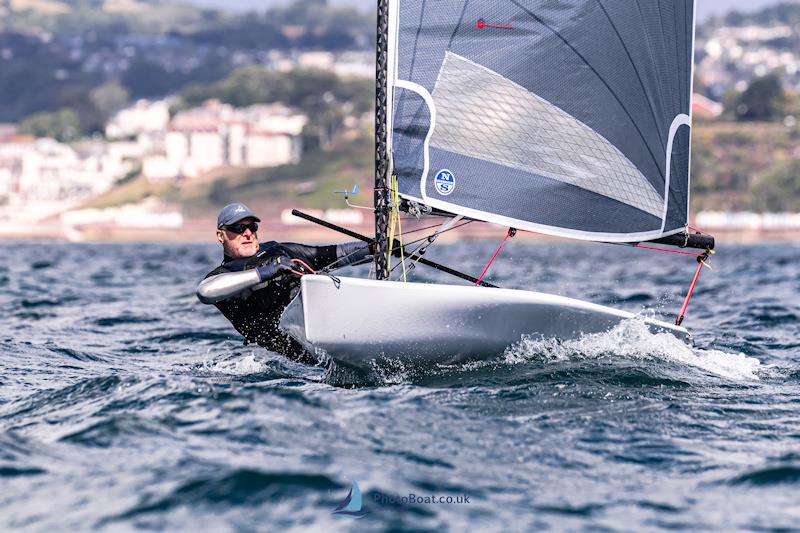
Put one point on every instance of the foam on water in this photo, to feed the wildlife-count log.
(238, 366)
(632, 339)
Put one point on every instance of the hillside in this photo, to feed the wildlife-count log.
(95, 56)
(308, 184)
(752, 166)
(779, 13)
(314, 22)
(145, 16)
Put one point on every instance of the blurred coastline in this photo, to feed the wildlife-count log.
(274, 227)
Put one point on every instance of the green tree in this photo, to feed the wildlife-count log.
(145, 79)
(778, 189)
(764, 99)
(108, 98)
(63, 125)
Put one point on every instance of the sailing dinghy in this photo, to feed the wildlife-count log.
(570, 119)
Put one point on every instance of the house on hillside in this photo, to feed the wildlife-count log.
(219, 135)
(45, 170)
(142, 117)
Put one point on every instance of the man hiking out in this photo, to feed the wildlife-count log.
(255, 282)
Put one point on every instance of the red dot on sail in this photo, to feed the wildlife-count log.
(481, 24)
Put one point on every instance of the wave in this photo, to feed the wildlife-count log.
(119, 428)
(632, 339)
(238, 366)
(233, 488)
(47, 401)
(252, 368)
(769, 476)
(650, 353)
(125, 319)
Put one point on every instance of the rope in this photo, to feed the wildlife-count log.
(395, 222)
(438, 232)
(421, 229)
(415, 252)
(698, 230)
(329, 266)
(666, 250)
(304, 265)
(425, 240)
(511, 233)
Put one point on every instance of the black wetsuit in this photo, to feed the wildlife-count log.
(256, 313)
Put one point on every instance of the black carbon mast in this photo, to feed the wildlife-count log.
(381, 149)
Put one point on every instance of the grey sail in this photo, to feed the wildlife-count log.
(567, 118)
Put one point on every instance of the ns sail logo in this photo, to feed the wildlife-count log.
(444, 182)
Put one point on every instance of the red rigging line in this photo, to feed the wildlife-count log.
(511, 233)
(306, 268)
(702, 260)
(666, 250)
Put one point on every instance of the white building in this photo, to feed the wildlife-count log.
(39, 170)
(158, 167)
(143, 116)
(345, 64)
(355, 64)
(7, 131)
(273, 118)
(264, 149)
(316, 60)
(219, 135)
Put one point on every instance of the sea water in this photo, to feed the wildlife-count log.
(126, 404)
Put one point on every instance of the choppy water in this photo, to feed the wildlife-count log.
(124, 403)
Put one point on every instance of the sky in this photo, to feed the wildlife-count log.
(705, 8)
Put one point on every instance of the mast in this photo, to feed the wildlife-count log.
(381, 154)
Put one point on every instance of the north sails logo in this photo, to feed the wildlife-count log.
(239, 209)
(444, 182)
(351, 505)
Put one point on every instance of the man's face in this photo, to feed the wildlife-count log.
(238, 245)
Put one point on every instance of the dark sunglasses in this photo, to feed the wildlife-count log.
(239, 228)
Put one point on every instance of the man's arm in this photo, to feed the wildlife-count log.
(337, 255)
(349, 253)
(214, 289)
(220, 287)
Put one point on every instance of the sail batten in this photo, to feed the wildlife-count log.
(554, 116)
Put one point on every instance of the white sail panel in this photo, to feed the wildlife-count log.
(481, 114)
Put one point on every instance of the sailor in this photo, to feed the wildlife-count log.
(255, 281)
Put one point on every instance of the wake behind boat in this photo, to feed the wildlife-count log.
(572, 120)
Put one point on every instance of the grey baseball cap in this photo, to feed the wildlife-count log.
(233, 213)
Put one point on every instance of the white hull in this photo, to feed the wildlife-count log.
(366, 320)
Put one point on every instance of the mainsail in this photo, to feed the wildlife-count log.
(570, 118)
